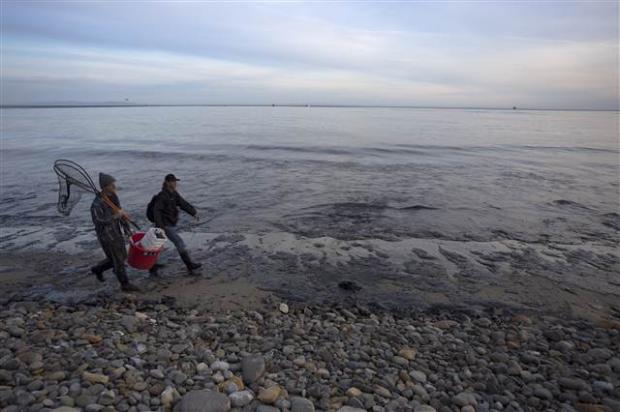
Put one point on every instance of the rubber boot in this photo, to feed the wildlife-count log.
(154, 271)
(129, 287)
(191, 266)
(98, 270)
(125, 285)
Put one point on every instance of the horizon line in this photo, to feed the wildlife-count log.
(300, 105)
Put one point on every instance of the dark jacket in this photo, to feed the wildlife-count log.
(109, 227)
(166, 208)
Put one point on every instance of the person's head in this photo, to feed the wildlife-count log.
(170, 182)
(107, 183)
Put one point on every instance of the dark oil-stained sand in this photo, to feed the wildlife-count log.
(245, 271)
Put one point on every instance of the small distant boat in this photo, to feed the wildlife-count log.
(514, 107)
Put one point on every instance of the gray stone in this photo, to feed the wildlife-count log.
(253, 368)
(464, 399)
(66, 409)
(418, 376)
(84, 400)
(67, 401)
(178, 377)
(543, 393)
(203, 401)
(156, 373)
(381, 391)
(424, 408)
(573, 383)
(242, 398)
(107, 397)
(220, 366)
(299, 404)
(421, 392)
(603, 386)
(129, 323)
(350, 409)
(6, 376)
(399, 360)
(600, 354)
(266, 408)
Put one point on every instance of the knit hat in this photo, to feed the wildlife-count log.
(105, 180)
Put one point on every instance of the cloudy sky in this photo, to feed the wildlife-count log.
(485, 54)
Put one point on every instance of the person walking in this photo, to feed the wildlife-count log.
(163, 210)
(110, 226)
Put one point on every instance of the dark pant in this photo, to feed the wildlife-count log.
(173, 236)
(116, 254)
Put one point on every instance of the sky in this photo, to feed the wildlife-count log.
(536, 54)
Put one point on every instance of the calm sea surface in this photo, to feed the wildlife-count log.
(346, 173)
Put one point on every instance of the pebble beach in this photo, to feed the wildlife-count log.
(128, 353)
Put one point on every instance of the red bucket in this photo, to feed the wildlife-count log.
(139, 258)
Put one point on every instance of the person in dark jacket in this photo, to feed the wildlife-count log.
(166, 216)
(110, 226)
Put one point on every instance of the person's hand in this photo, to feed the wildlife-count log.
(121, 214)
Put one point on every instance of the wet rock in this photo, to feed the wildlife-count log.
(600, 354)
(107, 398)
(203, 401)
(220, 366)
(84, 400)
(464, 399)
(573, 383)
(381, 391)
(299, 404)
(95, 377)
(445, 324)
(156, 373)
(424, 408)
(270, 395)
(349, 285)
(94, 339)
(589, 407)
(168, 397)
(399, 360)
(129, 323)
(418, 376)
(242, 398)
(408, 353)
(266, 408)
(543, 393)
(56, 376)
(253, 368)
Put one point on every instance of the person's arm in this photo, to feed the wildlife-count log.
(100, 215)
(158, 215)
(126, 228)
(185, 205)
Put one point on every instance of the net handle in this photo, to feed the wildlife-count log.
(116, 209)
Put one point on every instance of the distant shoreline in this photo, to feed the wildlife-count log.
(113, 105)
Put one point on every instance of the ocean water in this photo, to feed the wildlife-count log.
(348, 173)
(426, 198)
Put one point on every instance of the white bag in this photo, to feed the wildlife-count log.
(154, 239)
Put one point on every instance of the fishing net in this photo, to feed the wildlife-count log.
(73, 181)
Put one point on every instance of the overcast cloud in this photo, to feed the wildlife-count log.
(484, 54)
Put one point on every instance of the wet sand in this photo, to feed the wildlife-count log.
(257, 270)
